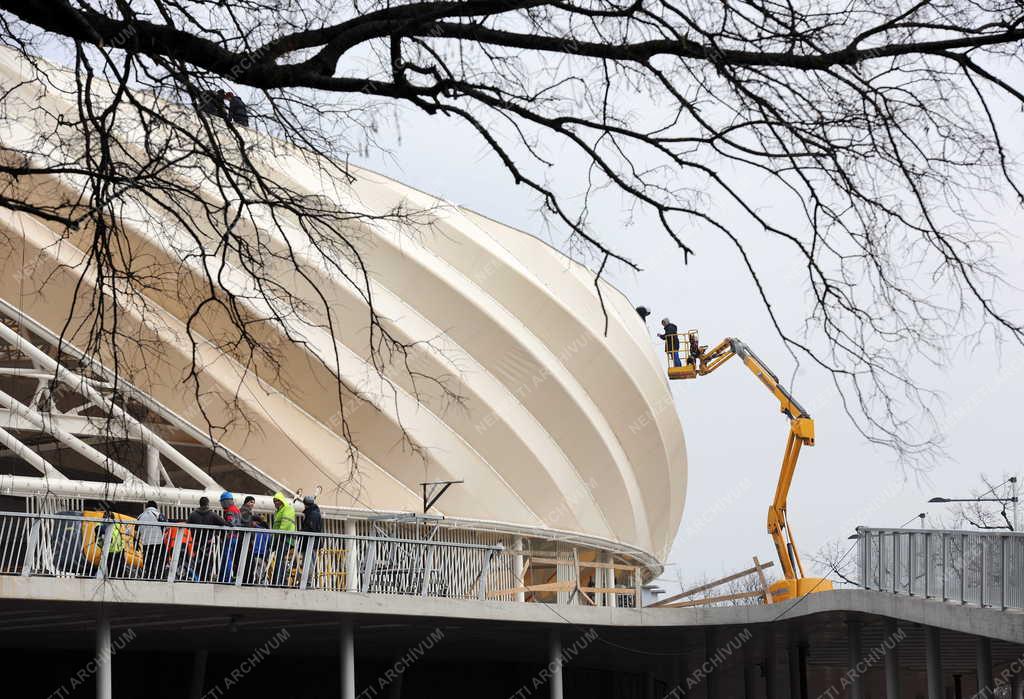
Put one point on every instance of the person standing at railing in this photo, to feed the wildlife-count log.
(671, 338)
(151, 538)
(256, 567)
(312, 522)
(206, 537)
(233, 517)
(284, 521)
(115, 551)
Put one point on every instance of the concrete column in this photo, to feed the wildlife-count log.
(104, 682)
(797, 657)
(854, 655)
(771, 671)
(517, 567)
(749, 678)
(933, 662)
(395, 688)
(351, 557)
(649, 685)
(711, 684)
(983, 659)
(892, 664)
(555, 663)
(198, 673)
(152, 465)
(347, 649)
(1017, 686)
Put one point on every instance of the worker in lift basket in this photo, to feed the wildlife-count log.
(671, 338)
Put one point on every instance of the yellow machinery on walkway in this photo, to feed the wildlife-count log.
(687, 359)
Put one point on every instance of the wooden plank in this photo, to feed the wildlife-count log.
(712, 600)
(714, 583)
(611, 590)
(563, 586)
(583, 564)
(764, 581)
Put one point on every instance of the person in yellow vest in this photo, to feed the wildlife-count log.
(283, 520)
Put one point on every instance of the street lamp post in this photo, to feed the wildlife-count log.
(1013, 499)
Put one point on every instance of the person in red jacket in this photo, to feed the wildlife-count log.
(233, 517)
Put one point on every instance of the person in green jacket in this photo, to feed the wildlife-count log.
(284, 520)
(115, 552)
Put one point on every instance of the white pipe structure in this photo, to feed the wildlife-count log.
(78, 383)
(50, 427)
(30, 457)
(27, 486)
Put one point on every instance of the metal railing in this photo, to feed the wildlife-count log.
(985, 569)
(73, 546)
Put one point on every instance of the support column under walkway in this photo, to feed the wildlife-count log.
(892, 663)
(348, 660)
(933, 662)
(555, 663)
(104, 684)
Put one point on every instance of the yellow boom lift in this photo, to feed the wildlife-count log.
(687, 359)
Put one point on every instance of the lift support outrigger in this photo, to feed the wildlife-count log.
(687, 359)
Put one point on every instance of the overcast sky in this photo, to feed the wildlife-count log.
(734, 432)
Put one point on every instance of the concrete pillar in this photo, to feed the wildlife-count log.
(555, 663)
(855, 654)
(771, 670)
(983, 659)
(152, 465)
(198, 673)
(351, 557)
(749, 678)
(649, 685)
(395, 688)
(797, 656)
(711, 683)
(1017, 686)
(517, 567)
(104, 682)
(347, 650)
(933, 662)
(892, 663)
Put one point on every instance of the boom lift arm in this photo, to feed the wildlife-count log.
(700, 362)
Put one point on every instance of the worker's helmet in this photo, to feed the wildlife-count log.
(226, 496)
(308, 500)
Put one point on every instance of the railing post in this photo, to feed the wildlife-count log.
(101, 569)
(307, 561)
(175, 554)
(351, 547)
(864, 542)
(428, 569)
(911, 558)
(927, 564)
(30, 548)
(984, 573)
(945, 569)
(485, 569)
(881, 560)
(368, 564)
(1004, 569)
(243, 558)
(963, 569)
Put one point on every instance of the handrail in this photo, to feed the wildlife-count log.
(124, 549)
(981, 568)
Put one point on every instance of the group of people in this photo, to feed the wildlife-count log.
(211, 553)
(225, 105)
